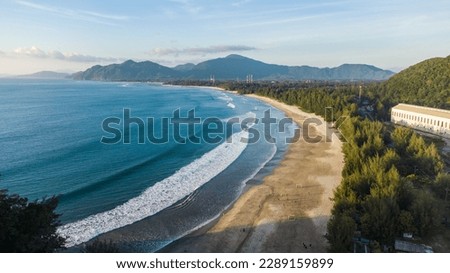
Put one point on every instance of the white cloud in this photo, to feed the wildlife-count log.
(74, 57)
(188, 6)
(30, 51)
(200, 50)
(164, 51)
(240, 3)
(35, 52)
(106, 16)
(90, 16)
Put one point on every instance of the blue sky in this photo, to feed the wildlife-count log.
(74, 35)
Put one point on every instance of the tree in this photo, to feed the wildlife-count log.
(442, 186)
(28, 226)
(401, 139)
(380, 219)
(406, 223)
(425, 211)
(341, 229)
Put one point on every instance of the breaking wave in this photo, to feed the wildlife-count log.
(159, 196)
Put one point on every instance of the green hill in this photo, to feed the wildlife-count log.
(426, 83)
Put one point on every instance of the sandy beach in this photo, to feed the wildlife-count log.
(289, 211)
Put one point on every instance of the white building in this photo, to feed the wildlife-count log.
(433, 120)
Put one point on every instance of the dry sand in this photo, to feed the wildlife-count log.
(289, 211)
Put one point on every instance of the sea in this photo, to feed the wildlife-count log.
(116, 153)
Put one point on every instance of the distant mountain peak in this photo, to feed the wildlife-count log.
(361, 65)
(129, 62)
(184, 67)
(236, 56)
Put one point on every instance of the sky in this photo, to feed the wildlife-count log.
(69, 36)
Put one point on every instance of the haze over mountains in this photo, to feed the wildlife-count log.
(231, 67)
(46, 75)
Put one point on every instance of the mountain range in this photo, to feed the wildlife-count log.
(46, 75)
(231, 67)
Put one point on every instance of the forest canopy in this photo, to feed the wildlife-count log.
(426, 83)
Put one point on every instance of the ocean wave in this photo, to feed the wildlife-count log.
(161, 195)
(228, 100)
(188, 201)
(225, 97)
(115, 176)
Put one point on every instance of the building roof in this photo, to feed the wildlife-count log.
(406, 246)
(423, 110)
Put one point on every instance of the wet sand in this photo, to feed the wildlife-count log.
(289, 211)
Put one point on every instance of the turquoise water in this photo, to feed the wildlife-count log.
(50, 144)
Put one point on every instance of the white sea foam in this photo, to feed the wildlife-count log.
(162, 195)
(231, 105)
(244, 183)
(225, 97)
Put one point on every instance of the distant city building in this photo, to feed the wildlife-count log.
(433, 120)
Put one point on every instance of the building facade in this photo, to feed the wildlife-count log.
(433, 120)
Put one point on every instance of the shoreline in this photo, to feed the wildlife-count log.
(288, 212)
(163, 225)
(202, 87)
